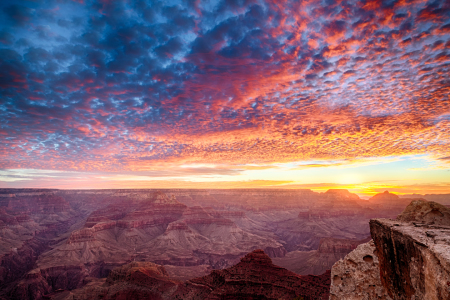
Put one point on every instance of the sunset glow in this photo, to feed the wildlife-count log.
(226, 94)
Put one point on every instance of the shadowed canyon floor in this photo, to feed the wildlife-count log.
(55, 240)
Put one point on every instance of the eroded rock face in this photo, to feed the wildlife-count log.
(357, 276)
(415, 251)
(414, 259)
(409, 258)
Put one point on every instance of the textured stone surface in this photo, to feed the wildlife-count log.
(426, 212)
(414, 259)
(357, 276)
(409, 258)
(415, 251)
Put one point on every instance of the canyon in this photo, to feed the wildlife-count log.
(253, 277)
(57, 241)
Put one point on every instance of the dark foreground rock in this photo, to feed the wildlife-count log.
(254, 277)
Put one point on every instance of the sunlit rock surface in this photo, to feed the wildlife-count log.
(357, 276)
(414, 252)
(409, 258)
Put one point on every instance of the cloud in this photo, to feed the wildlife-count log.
(18, 15)
(114, 86)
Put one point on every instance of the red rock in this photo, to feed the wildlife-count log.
(331, 245)
(254, 277)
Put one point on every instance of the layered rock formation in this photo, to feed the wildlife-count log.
(86, 234)
(409, 258)
(428, 213)
(254, 277)
(148, 227)
(30, 220)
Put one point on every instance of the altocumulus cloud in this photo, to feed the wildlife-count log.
(120, 85)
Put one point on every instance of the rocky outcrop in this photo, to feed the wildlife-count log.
(82, 235)
(429, 213)
(357, 276)
(415, 256)
(409, 258)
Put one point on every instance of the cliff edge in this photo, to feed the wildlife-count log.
(409, 258)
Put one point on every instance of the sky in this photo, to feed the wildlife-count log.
(226, 94)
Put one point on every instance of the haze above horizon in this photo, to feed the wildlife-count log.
(226, 94)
